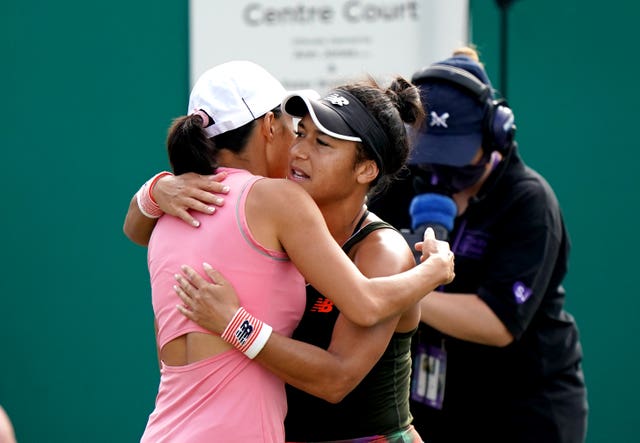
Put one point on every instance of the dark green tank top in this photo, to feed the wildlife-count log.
(378, 405)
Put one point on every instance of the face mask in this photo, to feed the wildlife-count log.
(448, 180)
(457, 179)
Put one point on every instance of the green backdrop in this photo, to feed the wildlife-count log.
(88, 90)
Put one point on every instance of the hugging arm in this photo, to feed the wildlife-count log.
(362, 300)
(298, 224)
(329, 374)
(176, 195)
(138, 227)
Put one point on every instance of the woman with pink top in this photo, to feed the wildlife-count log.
(260, 240)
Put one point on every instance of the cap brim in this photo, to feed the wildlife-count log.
(326, 118)
(450, 150)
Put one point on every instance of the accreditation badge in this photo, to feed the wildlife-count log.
(429, 373)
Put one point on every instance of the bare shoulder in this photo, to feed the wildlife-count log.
(278, 190)
(383, 252)
(285, 201)
(276, 211)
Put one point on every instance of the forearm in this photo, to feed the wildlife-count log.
(408, 288)
(365, 302)
(320, 372)
(307, 367)
(329, 374)
(464, 316)
(173, 195)
(137, 227)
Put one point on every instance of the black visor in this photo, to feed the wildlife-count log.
(342, 116)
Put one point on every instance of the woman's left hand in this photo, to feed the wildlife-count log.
(209, 303)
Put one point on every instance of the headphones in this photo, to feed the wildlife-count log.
(498, 128)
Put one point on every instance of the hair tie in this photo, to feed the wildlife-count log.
(204, 116)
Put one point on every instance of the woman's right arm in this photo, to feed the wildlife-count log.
(305, 237)
(138, 227)
(176, 195)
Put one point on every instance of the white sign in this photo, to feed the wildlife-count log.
(319, 44)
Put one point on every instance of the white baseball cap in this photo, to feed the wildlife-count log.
(233, 94)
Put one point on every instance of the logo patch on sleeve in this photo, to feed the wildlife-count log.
(521, 292)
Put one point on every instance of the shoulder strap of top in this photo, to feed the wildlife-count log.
(361, 221)
(362, 233)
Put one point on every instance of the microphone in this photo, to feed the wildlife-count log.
(432, 210)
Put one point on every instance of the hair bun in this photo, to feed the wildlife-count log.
(406, 98)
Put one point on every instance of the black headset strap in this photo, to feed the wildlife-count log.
(456, 76)
(472, 84)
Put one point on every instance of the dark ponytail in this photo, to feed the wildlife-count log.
(189, 148)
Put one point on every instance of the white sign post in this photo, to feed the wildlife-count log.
(315, 45)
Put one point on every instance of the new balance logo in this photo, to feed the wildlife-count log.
(439, 120)
(337, 100)
(323, 305)
(244, 332)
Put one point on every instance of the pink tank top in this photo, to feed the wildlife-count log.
(226, 397)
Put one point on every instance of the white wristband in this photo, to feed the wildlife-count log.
(146, 203)
(246, 333)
